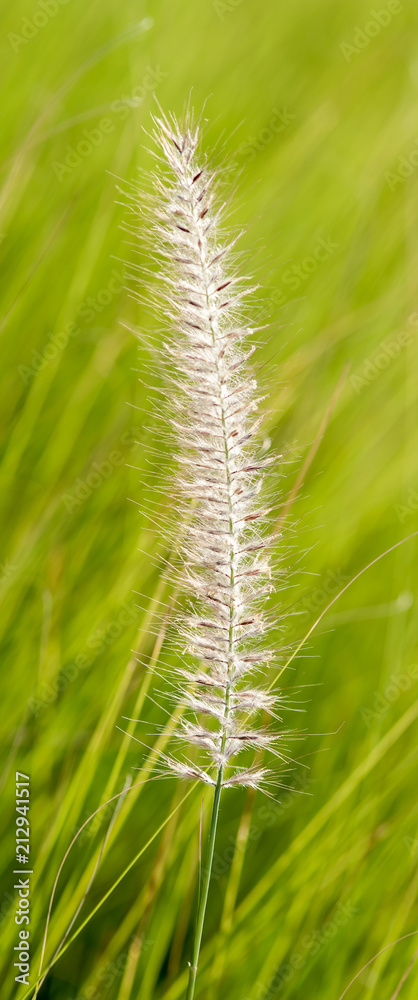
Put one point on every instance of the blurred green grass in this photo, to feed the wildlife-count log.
(72, 554)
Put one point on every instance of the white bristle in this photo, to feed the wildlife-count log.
(220, 517)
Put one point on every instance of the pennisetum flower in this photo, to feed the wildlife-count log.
(220, 513)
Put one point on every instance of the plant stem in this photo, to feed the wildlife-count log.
(200, 919)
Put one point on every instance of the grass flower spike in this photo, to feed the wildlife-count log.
(211, 411)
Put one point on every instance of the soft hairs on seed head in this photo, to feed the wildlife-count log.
(212, 415)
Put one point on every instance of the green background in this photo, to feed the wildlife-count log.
(323, 881)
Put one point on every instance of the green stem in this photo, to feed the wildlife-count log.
(200, 919)
(204, 891)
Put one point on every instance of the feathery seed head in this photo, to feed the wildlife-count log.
(213, 399)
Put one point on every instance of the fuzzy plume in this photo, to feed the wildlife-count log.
(211, 413)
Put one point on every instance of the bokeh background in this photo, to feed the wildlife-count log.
(313, 106)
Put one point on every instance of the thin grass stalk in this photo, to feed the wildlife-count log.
(210, 399)
(204, 892)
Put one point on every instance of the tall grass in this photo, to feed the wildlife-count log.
(220, 521)
(344, 841)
